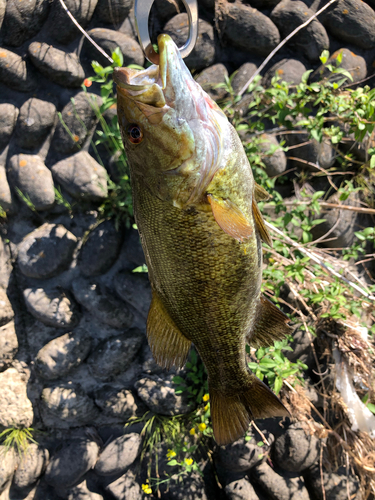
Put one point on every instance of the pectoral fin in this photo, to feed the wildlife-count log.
(270, 325)
(168, 345)
(260, 225)
(230, 218)
(260, 193)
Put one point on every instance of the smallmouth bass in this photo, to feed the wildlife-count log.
(195, 206)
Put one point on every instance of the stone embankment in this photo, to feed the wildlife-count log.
(74, 360)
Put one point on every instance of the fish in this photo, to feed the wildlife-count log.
(195, 205)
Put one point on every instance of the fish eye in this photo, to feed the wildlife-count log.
(135, 133)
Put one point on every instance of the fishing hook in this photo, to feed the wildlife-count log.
(142, 10)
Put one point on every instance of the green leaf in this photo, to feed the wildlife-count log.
(172, 463)
(118, 59)
(324, 56)
(267, 363)
(278, 384)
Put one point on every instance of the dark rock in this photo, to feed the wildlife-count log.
(115, 355)
(203, 54)
(276, 162)
(342, 224)
(311, 154)
(242, 455)
(339, 485)
(119, 404)
(57, 65)
(159, 395)
(243, 75)
(109, 40)
(240, 489)
(38, 334)
(82, 177)
(61, 355)
(166, 9)
(133, 249)
(278, 487)
(66, 406)
(82, 492)
(118, 455)
(8, 344)
(23, 20)
(211, 77)
(34, 122)
(6, 311)
(8, 464)
(287, 70)
(101, 249)
(352, 21)
(353, 63)
(301, 344)
(6, 197)
(296, 450)
(102, 304)
(16, 409)
(113, 11)
(31, 467)
(125, 487)
(46, 251)
(263, 4)
(29, 174)
(8, 119)
(60, 27)
(249, 29)
(135, 289)
(71, 462)
(311, 40)
(190, 487)
(15, 73)
(80, 118)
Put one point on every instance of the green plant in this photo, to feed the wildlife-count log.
(60, 200)
(272, 364)
(195, 381)
(26, 199)
(17, 438)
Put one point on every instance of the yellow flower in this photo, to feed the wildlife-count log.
(171, 454)
(192, 431)
(206, 407)
(146, 488)
(202, 426)
(188, 461)
(206, 397)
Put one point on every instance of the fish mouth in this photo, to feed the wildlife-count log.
(156, 85)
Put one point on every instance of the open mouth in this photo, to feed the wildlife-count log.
(139, 81)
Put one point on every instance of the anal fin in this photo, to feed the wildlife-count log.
(260, 225)
(168, 345)
(270, 325)
(230, 218)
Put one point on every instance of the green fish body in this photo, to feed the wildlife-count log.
(195, 207)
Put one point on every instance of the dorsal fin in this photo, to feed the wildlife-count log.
(259, 223)
(270, 325)
(230, 218)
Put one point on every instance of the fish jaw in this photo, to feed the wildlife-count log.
(185, 134)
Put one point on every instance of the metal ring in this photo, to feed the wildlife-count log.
(142, 10)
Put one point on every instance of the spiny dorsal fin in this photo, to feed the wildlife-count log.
(230, 218)
(270, 325)
(260, 193)
(168, 345)
(259, 223)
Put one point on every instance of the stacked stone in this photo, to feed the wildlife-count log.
(74, 359)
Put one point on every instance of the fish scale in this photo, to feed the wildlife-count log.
(201, 232)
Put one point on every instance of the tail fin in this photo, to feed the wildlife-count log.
(231, 413)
